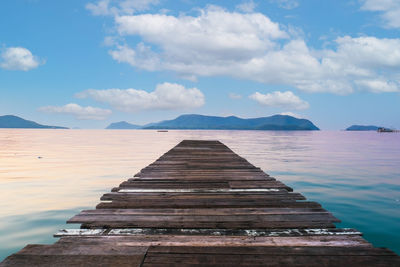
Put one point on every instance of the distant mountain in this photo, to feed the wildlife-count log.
(363, 128)
(123, 125)
(193, 121)
(10, 121)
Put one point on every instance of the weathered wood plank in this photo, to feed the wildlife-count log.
(218, 241)
(282, 250)
(153, 259)
(185, 190)
(208, 211)
(204, 203)
(17, 260)
(204, 219)
(76, 248)
(200, 177)
(261, 195)
(211, 203)
(269, 256)
(214, 232)
(208, 224)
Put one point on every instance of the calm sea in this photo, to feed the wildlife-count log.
(47, 176)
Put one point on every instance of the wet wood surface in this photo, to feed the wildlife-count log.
(201, 204)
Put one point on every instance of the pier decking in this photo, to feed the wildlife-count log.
(202, 204)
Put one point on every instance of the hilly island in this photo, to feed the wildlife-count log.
(363, 128)
(11, 121)
(189, 122)
(202, 122)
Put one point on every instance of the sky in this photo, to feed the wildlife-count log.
(88, 63)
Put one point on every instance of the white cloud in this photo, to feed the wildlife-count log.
(197, 46)
(234, 96)
(165, 96)
(250, 46)
(247, 7)
(389, 9)
(141, 56)
(369, 52)
(119, 7)
(280, 99)
(81, 113)
(379, 85)
(18, 58)
(286, 4)
(214, 33)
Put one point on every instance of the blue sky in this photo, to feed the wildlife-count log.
(89, 63)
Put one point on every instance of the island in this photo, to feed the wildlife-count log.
(363, 128)
(123, 125)
(202, 122)
(11, 121)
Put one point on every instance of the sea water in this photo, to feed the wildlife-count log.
(48, 176)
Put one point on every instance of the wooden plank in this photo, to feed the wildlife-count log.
(204, 204)
(180, 190)
(209, 224)
(77, 248)
(219, 241)
(258, 219)
(200, 177)
(258, 184)
(208, 211)
(271, 195)
(270, 256)
(82, 232)
(174, 184)
(153, 259)
(214, 232)
(262, 250)
(71, 260)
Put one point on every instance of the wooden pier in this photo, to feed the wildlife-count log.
(201, 204)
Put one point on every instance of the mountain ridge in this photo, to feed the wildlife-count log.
(203, 122)
(12, 121)
(123, 125)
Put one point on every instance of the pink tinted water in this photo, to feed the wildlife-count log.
(47, 176)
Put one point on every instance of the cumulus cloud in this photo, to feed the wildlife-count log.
(214, 32)
(18, 58)
(119, 7)
(250, 46)
(166, 96)
(389, 9)
(81, 113)
(280, 99)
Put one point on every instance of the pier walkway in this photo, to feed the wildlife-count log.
(201, 204)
